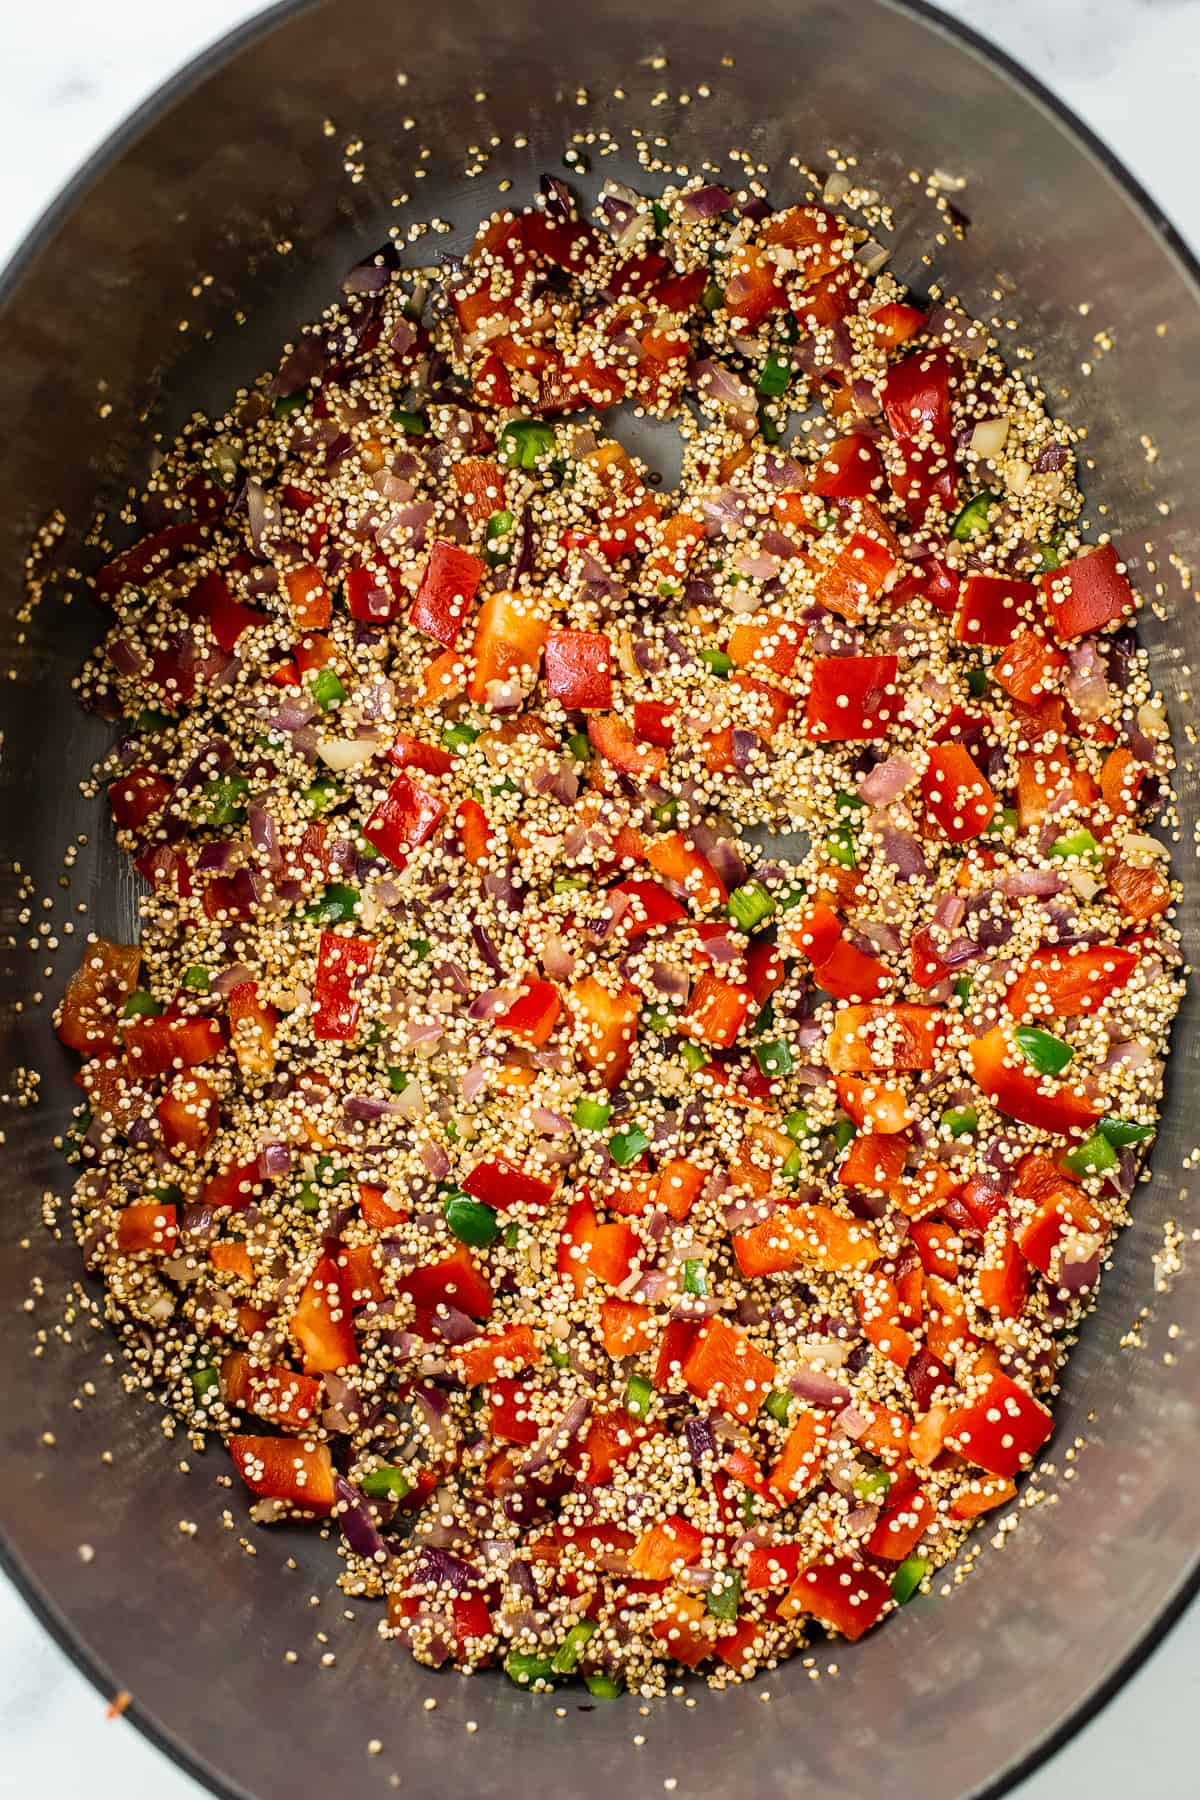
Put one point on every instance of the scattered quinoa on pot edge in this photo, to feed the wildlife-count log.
(642, 1239)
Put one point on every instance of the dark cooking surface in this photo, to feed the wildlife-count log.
(952, 1693)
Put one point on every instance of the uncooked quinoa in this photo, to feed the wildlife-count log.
(650, 1003)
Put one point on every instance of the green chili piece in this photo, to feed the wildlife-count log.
(386, 1483)
(723, 1602)
(841, 848)
(591, 1115)
(1077, 843)
(791, 1168)
(166, 1193)
(872, 1485)
(765, 1020)
(289, 403)
(197, 978)
(774, 376)
(580, 746)
(639, 1396)
(413, 424)
(420, 947)
(779, 1404)
(960, 1120)
(977, 682)
(204, 1382)
(326, 688)
(1048, 555)
(1123, 1131)
(1092, 1157)
(334, 906)
(774, 1058)
(320, 795)
(470, 1221)
(497, 534)
(558, 1356)
(908, 1578)
(695, 1277)
(1048, 1055)
(626, 1146)
(843, 1131)
(716, 662)
(750, 906)
(221, 800)
(846, 802)
(660, 215)
(694, 1057)
(962, 988)
(458, 738)
(398, 1078)
(151, 719)
(570, 884)
(973, 518)
(140, 1005)
(713, 295)
(566, 1658)
(524, 1669)
(524, 442)
(666, 812)
(604, 1687)
(797, 1126)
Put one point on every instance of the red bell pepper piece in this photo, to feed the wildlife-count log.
(613, 739)
(772, 1567)
(956, 794)
(765, 971)
(818, 238)
(676, 858)
(1002, 1074)
(716, 1011)
(509, 1417)
(851, 697)
(87, 1019)
(752, 293)
(841, 1592)
(894, 1038)
(156, 1046)
(849, 973)
(681, 293)
(474, 831)
(895, 323)
(226, 617)
(798, 1466)
(675, 1345)
(579, 669)
(916, 397)
(188, 1113)
(454, 1281)
(856, 576)
(906, 1517)
(850, 469)
(153, 556)
(992, 609)
(1087, 594)
(1027, 669)
(607, 1025)
(309, 601)
(252, 1027)
(146, 1226)
(567, 243)
(1120, 779)
(875, 1160)
(407, 816)
(626, 1327)
(672, 1544)
(343, 963)
(534, 1014)
(1063, 981)
(481, 488)
(648, 905)
(1003, 1430)
(654, 722)
(725, 1367)
(491, 382)
(448, 586)
(510, 634)
(1142, 893)
(874, 1105)
(413, 753)
(507, 1351)
(137, 797)
(374, 595)
(1002, 1276)
(499, 1184)
(279, 1468)
(322, 1323)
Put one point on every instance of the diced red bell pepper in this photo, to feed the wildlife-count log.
(413, 753)
(674, 1543)
(765, 971)
(509, 1416)
(674, 1348)
(772, 1567)
(830, 298)
(448, 586)
(136, 797)
(613, 739)
(798, 1466)
(153, 556)
(936, 1245)
(680, 1185)
(1023, 1095)
(407, 816)
(768, 640)
(474, 831)
(816, 933)
(819, 238)
(906, 1517)
(956, 794)
(359, 1277)
(725, 1367)
(606, 1022)
(1142, 892)
(874, 1105)
(225, 617)
(454, 1281)
(1002, 1276)
(252, 1027)
(850, 469)
(805, 1234)
(855, 578)
(569, 244)
(534, 1014)
(892, 1038)
(146, 1226)
(343, 963)
(716, 1011)
(752, 293)
(895, 323)
(322, 1323)
(1063, 981)
(88, 1017)
(841, 1592)
(983, 1198)
(156, 1046)
(654, 722)
(1003, 1430)
(676, 858)
(875, 1160)
(626, 1327)
(491, 383)
(309, 601)
(504, 1352)
(480, 487)
(499, 1183)
(188, 1114)
(1027, 669)
(1087, 594)
(279, 1468)
(287, 1399)
(851, 974)
(992, 609)
(510, 634)
(579, 669)
(234, 1186)
(1120, 779)
(916, 397)
(851, 697)
(648, 905)
(681, 293)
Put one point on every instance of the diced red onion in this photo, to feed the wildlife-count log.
(886, 781)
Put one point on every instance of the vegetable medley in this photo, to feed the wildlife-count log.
(641, 1246)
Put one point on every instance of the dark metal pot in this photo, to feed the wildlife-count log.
(956, 1696)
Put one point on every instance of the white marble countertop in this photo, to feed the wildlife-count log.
(71, 71)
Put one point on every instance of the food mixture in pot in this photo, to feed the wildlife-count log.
(639, 1240)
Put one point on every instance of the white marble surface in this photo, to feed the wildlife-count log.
(69, 72)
